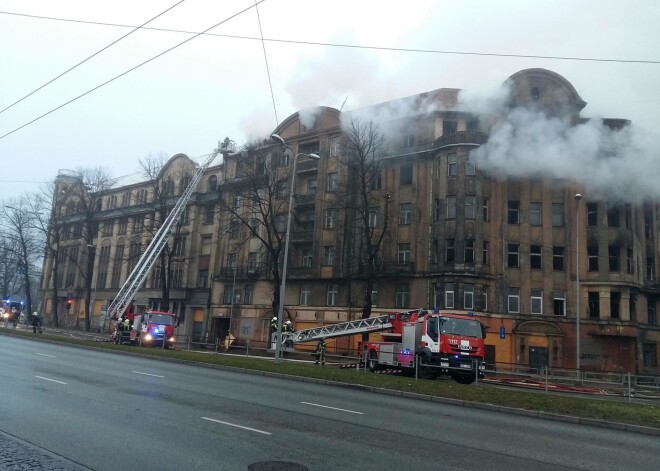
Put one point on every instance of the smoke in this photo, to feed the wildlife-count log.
(615, 164)
(308, 116)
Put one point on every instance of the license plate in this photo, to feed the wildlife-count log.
(466, 366)
(444, 363)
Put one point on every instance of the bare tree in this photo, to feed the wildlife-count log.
(365, 204)
(83, 203)
(10, 281)
(26, 243)
(254, 197)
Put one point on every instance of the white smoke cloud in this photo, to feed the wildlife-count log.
(308, 116)
(614, 164)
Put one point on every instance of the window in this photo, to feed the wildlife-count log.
(452, 163)
(232, 260)
(206, 244)
(513, 212)
(450, 253)
(236, 202)
(333, 181)
(332, 294)
(651, 315)
(535, 257)
(614, 254)
(629, 261)
(592, 258)
(375, 179)
(202, 278)
(537, 301)
(335, 146)
(592, 214)
(248, 294)
(126, 199)
(437, 212)
(108, 227)
(408, 140)
(449, 126)
(406, 174)
(650, 355)
(228, 294)
(311, 186)
(535, 214)
(179, 248)
(485, 259)
(469, 251)
(468, 296)
(234, 227)
(329, 255)
(469, 167)
(77, 229)
(374, 295)
(142, 196)
(185, 216)
(402, 295)
(557, 214)
(280, 223)
(283, 161)
(484, 296)
(557, 257)
(212, 183)
(612, 215)
(449, 295)
(559, 303)
(138, 224)
(404, 253)
(405, 214)
(484, 209)
(513, 301)
(177, 278)
(469, 207)
(451, 207)
(112, 202)
(305, 294)
(373, 217)
(116, 265)
(615, 305)
(209, 214)
(252, 263)
(330, 218)
(594, 304)
(123, 226)
(513, 256)
(307, 257)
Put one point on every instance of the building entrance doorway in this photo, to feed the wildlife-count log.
(538, 359)
(219, 328)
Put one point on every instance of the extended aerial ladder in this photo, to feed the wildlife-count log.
(126, 293)
(359, 326)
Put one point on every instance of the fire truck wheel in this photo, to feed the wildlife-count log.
(464, 379)
(427, 373)
(373, 361)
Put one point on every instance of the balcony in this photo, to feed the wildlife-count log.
(305, 235)
(304, 200)
(393, 268)
(302, 272)
(244, 272)
(304, 166)
(461, 137)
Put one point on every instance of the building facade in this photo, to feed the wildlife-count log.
(422, 224)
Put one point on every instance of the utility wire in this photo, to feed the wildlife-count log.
(132, 69)
(93, 55)
(354, 46)
(270, 83)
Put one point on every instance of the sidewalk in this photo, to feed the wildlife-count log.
(21, 455)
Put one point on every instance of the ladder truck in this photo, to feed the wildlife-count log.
(436, 343)
(121, 305)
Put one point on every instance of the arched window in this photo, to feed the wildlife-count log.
(212, 183)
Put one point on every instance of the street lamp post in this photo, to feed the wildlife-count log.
(93, 300)
(280, 309)
(578, 197)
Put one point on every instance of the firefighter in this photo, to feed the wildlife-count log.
(36, 322)
(287, 327)
(320, 352)
(273, 324)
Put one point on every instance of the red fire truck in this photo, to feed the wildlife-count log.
(437, 343)
(152, 328)
(443, 344)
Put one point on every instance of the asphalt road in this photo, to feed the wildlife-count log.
(107, 411)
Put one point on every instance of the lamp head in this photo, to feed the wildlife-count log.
(278, 138)
(578, 196)
(314, 156)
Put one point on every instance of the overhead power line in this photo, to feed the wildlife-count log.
(132, 69)
(354, 46)
(93, 55)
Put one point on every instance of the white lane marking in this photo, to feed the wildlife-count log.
(44, 355)
(237, 426)
(48, 379)
(334, 408)
(147, 374)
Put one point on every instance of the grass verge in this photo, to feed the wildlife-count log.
(583, 407)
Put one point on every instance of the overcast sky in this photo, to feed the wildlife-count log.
(217, 86)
